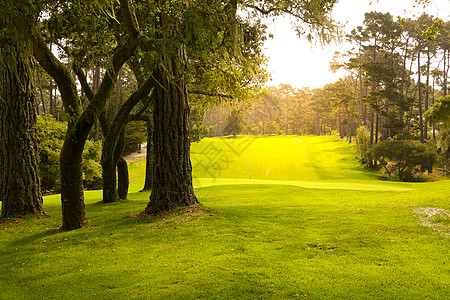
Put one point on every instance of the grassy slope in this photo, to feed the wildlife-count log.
(324, 232)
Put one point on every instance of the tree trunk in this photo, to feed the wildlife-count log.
(114, 141)
(72, 196)
(172, 176)
(317, 124)
(20, 190)
(427, 93)
(420, 95)
(52, 104)
(349, 126)
(445, 71)
(123, 178)
(41, 93)
(117, 98)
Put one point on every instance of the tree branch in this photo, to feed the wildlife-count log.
(57, 70)
(210, 94)
(83, 81)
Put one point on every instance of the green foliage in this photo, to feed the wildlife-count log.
(404, 158)
(197, 114)
(233, 124)
(92, 170)
(443, 141)
(50, 140)
(272, 127)
(363, 142)
(439, 113)
(135, 134)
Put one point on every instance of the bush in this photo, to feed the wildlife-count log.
(92, 169)
(404, 158)
(50, 141)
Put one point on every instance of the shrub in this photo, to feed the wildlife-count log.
(50, 141)
(92, 169)
(404, 158)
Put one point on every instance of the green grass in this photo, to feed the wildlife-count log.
(308, 221)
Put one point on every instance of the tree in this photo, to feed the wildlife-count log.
(172, 182)
(233, 124)
(406, 157)
(439, 113)
(80, 121)
(20, 190)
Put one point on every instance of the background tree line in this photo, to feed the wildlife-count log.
(397, 70)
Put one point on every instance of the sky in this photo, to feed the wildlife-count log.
(296, 62)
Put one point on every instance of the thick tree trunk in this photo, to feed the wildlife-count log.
(172, 176)
(110, 193)
(72, 196)
(20, 190)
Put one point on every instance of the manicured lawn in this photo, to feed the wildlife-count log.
(308, 222)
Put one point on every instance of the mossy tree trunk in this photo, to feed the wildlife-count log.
(172, 172)
(20, 190)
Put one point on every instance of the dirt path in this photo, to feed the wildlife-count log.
(135, 155)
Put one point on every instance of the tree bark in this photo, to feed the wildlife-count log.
(20, 190)
(172, 178)
(124, 180)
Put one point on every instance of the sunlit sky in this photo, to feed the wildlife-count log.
(294, 61)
